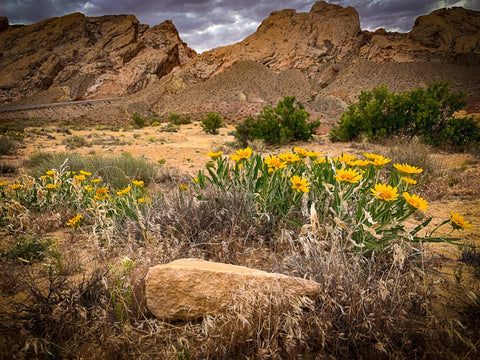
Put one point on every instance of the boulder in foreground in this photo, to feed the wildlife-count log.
(191, 288)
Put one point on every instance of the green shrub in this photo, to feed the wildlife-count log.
(459, 132)
(13, 128)
(177, 119)
(138, 120)
(211, 123)
(285, 123)
(28, 249)
(76, 141)
(425, 113)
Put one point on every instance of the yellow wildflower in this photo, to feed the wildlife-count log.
(407, 169)
(43, 177)
(86, 173)
(289, 157)
(345, 157)
(358, 162)
(371, 156)
(137, 182)
(385, 192)
(214, 155)
(124, 191)
(322, 160)
(409, 181)
(379, 160)
(89, 188)
(3, 183)
(306, 153)
(145, 199)
(51, 186)
(75, 221)
(313, 154)
(79, 177)
(416, 201)
(51, 172)
(300, 151)
(195, 179)
(274, 163)
(96, 180)
(183, 187)
(241, 154)
(101, 193)
(14, 186)
(458, 222)
(300, 184)
(348, 175)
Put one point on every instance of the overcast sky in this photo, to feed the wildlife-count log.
(205, 24)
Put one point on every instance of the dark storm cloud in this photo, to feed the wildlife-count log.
(205, 24)
(399, 15)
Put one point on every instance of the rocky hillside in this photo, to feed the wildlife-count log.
(331, 58)
(323, 57)
(76, 57)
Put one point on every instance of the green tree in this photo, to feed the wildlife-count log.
(278, 125)
(426, 113)
(211, 123)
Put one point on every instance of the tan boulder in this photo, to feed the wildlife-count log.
(191, 288)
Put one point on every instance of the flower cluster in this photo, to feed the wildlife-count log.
(372, 203)
(79, 191)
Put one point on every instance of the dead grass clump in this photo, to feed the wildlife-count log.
(215, 228)
(117, 171)
(405, 150)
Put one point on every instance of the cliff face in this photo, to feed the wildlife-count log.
(333, 60)
(76, 57)
(322, 57)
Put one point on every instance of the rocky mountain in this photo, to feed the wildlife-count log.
(323, 57)
(76, 57)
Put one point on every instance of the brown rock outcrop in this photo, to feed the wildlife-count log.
(291, 40)
(335, 60)
(84, 58)
(191, 288)
(322, 57)
(3, 23)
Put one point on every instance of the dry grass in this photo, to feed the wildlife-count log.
(370, 307)
(382, 306)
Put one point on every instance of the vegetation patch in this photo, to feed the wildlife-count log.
(428, 114)
(282, 124)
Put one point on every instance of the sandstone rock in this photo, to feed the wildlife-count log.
(191, 288)
(322, 57)
(448, 29)
(96, 57)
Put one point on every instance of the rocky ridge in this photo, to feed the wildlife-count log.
(323, 57)
(333, 60)
(75, 57)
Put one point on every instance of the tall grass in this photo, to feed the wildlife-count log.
(117, 171)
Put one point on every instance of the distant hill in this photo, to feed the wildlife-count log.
(323, 57)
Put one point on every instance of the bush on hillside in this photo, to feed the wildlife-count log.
(425, 113)
(177, 119)
(285, 123)
(211, 123)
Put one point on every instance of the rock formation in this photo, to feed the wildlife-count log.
(192, 288)
(322, 57)
(75, 57)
